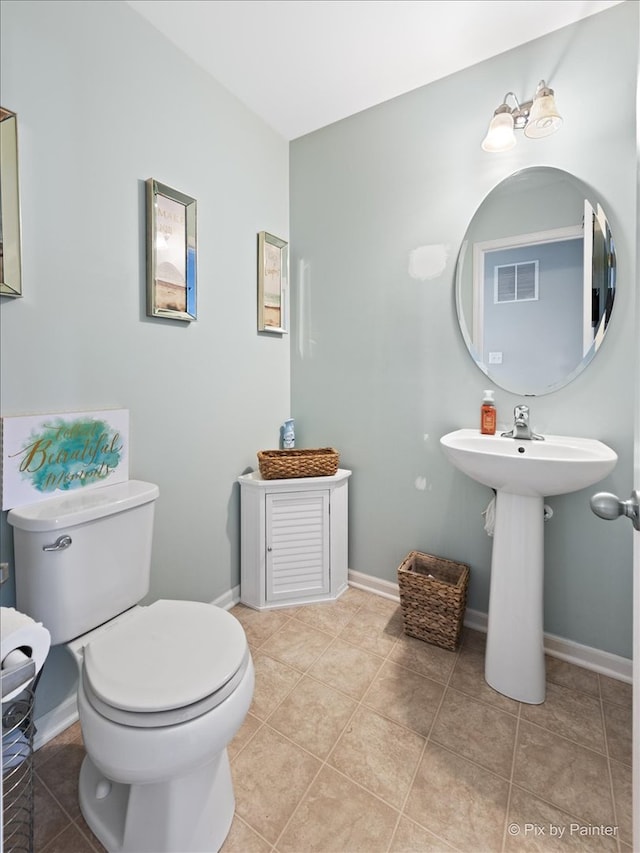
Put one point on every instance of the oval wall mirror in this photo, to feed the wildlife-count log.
(536, 281)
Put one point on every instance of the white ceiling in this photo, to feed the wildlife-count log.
(303, 64)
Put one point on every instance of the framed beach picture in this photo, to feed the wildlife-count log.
(10, 253)
(171, 253)
(273, 284)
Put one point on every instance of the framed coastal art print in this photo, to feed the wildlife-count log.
(10, 255)
(273, 284)
(171, 253)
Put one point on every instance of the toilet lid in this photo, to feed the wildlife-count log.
(172, 654)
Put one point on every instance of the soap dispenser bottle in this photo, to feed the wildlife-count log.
(488, 414)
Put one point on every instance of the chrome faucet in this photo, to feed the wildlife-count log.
(521, 428)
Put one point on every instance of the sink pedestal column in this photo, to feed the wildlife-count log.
(514, 661)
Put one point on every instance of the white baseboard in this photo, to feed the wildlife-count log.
(596, 660)
(228, 599)
(369, 584)
(54, 722)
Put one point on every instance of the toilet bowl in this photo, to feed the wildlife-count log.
(162, 688)
(160, 696)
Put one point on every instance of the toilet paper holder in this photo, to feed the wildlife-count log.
(13, 678)
(17, 755)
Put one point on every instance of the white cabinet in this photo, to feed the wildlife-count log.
(293, 539)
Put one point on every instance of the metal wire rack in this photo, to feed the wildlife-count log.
(17, 759)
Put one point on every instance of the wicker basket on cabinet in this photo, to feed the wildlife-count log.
(285, 464)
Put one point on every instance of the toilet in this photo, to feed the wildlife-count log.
(163, 688)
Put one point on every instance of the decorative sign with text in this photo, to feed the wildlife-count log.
(47, 455)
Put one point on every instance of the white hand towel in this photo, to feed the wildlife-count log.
(490, 517)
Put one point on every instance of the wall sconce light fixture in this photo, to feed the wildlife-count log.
(538, 117)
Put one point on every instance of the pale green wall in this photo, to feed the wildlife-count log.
(379, 368)
(105, 102)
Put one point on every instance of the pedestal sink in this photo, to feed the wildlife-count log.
(523, 473)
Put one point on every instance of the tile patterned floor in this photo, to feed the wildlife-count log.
(363, 739)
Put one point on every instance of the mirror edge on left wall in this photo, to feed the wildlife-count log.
(10, 222)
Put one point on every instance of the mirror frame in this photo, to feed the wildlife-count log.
(475, 243)
(10, 224)
(273, 284)
(172, 216)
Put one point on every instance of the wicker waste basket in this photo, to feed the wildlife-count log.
(433, 597)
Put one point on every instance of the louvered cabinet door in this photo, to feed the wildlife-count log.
(293, 539)
(298, 560)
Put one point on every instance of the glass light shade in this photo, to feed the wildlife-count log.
(544, 118)
(500, 136)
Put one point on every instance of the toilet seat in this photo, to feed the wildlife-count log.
(170, 662)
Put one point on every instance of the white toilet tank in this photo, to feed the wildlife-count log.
(82, 558)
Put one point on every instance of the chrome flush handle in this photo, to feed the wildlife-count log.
(60, 544)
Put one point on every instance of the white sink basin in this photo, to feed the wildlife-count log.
(555, 466)
(523, 473)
